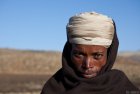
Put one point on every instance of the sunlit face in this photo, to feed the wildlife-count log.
(88, 59)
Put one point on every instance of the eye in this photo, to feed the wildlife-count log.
(97, 56)
(78, 54)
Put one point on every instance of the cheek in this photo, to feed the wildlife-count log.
(100, 64)
(76, 61)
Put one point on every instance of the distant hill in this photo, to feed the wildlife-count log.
(130, 56)
(14, 61)
(45, 62)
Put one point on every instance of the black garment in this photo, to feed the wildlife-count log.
(108, 81)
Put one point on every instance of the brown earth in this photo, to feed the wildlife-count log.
(25, 72)
(17, 83)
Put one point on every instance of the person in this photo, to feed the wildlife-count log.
(88, 56)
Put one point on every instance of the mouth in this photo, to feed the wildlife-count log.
(91, 75)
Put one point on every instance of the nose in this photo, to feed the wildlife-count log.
(87, 63)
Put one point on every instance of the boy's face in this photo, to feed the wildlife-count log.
(88, 59)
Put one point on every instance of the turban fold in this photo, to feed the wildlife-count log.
(90, 28)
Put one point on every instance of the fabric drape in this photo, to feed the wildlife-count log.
(108, 81)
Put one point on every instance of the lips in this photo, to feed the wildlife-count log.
(85, 75)
(89, 74)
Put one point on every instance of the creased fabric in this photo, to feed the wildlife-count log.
(109, 81)
(90, 28)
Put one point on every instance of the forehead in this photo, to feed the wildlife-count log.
(90, 48)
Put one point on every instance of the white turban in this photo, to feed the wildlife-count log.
(90, 28)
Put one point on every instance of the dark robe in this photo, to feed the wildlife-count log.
(108, 81)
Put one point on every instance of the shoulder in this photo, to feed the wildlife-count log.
(118, 72)
(53, 83)
(123, 79)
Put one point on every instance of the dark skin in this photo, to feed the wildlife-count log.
(88, 59)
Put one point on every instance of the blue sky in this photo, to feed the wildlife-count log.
(41, 24)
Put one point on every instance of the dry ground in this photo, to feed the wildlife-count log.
(25, 72)
(22, 84)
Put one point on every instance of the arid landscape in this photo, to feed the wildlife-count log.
(26, 71)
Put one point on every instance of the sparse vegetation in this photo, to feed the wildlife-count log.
(29, 62)
(25, 72)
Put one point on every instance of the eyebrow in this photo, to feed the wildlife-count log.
(98, 52)
(81, 51)
(93, 53)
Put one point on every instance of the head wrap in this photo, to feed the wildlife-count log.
(90, 28)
